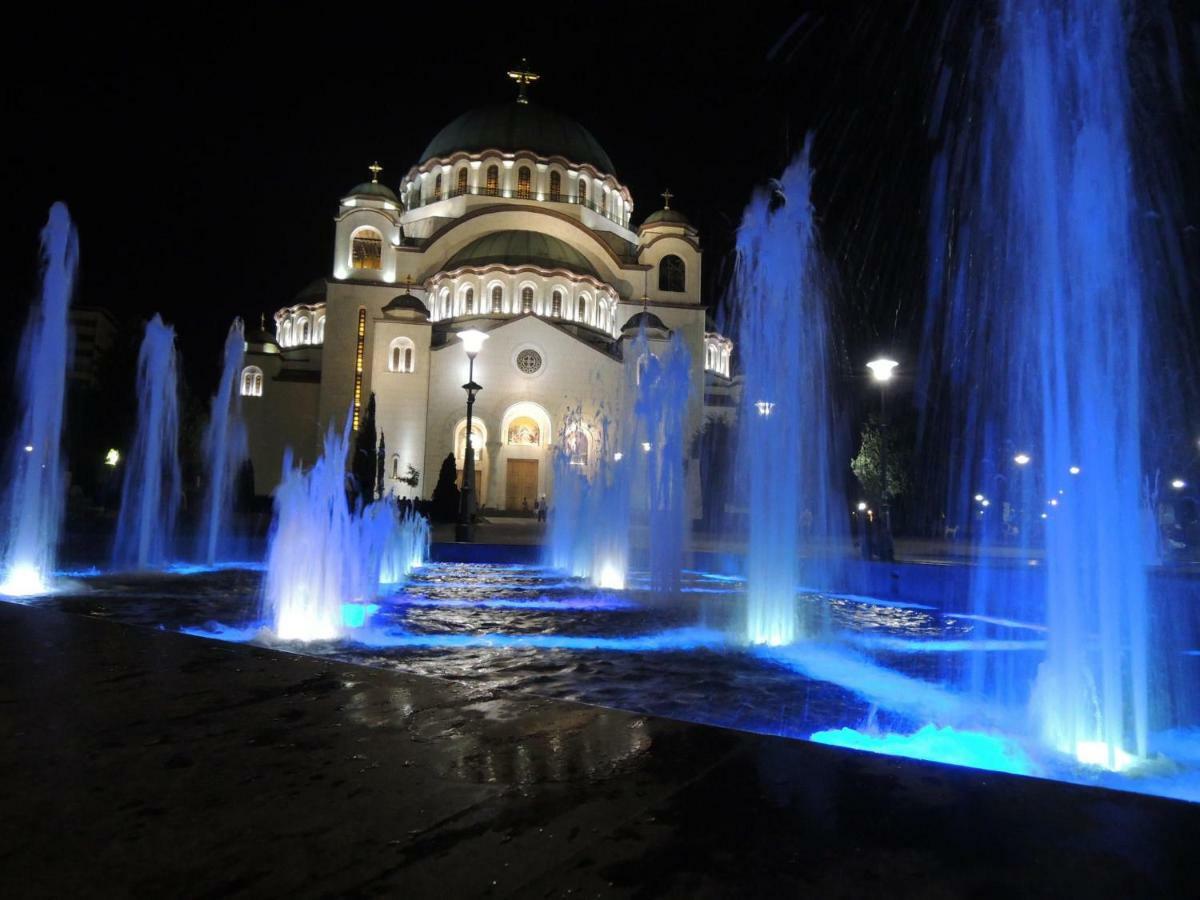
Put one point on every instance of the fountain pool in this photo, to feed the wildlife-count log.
(891, 676)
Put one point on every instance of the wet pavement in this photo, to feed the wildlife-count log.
(143, 762)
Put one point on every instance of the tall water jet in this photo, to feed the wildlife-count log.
(225, 449)
(659, 423)
(150, 492)
(1038, 323)
(588, 525)
(323, 553)
(786, 455)
(35, 476)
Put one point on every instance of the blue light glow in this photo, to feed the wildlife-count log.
(355, 615)
(575, 604)
(676, 639)
(973, 749)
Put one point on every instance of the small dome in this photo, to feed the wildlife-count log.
(647, 320)
(261, 336)
(517, 248)
(667, 217)
(519, 126)
(374, 190)
(406, 301)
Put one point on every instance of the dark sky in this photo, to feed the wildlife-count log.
(203, 156)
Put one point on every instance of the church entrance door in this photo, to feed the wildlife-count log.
(521, 491)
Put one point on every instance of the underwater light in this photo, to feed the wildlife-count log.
(23, 580)
(881, 369)
(1104, 756)
(611, 577)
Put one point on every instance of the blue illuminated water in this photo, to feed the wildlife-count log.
(36, 486)
(787, 460)
(225, 451)
(151, 489)
(1040, 299)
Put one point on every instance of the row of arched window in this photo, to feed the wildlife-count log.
(600, 313)
(252, 381)
(300, 329)
(610, 203)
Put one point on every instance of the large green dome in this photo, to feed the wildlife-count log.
(519, 126)
(521, 248)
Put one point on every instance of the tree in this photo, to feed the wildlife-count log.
(867, 466)
(445, 494)
(363, 467)
(380, 464)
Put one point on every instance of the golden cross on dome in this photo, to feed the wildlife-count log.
(666, 195)
(375, 168)
(523, 77)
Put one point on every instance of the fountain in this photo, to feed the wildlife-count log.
(637, 477)
(225, 448)
(1041, 300)
(36, 483)
(325, 557)
(787, 460)
(151, 489)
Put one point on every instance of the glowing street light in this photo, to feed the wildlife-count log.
(882, 370)
(1022, 459)
(985, 502)
(1074, 470)
(618, 456)
(112, 458)
(979, 498)
(472, 341)
(1179, 484)
(862, 507)
(764, 407)
(29, 448)
(646, 446)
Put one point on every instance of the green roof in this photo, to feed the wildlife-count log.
(519, 126)
(518, 248)
(372, 189)
(667, 216)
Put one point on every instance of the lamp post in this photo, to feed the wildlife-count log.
(472, 340)
(881, 371)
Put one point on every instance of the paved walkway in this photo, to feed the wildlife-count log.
(144, 763)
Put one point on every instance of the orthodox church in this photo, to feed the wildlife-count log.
(513, 222)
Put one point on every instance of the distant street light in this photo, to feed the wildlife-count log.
(1179, 484)
(1074, 470)
(112, 458)
(862, 507)
(1021, 459)
(764, 407)
(882, 370)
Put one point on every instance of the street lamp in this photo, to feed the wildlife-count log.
(764, 407)
(1179, 484)
(881, 371)
(1022, 459)
(472, 340)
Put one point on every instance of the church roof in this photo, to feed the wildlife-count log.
(517, 248)
(666, 217)
(648, 320)
(406, 301)
(519, 126)
(373, 189)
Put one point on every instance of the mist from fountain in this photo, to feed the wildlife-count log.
(36, 483)
(787, 462)
(151, 490)
(1041, 301)
(225, 451)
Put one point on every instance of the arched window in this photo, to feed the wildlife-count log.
(556, 304)
(493, 181)
(523, 183)
(527, 300)
(320, 338)
(582, 309)
(604, 203)
(462, 181)
(437, 188)
(366, 249)
(497, 299)
(469, 301)
(252, 381)
(285, 333)
(582, 191)
(555, 186)
(402, 355)
(577, 446)
(395, 466)
(671, 274)
(303, 332)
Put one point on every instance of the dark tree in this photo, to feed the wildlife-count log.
(445, 493)
(364, 454)
(380, 462)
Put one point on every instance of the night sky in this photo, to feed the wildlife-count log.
(203, 157)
